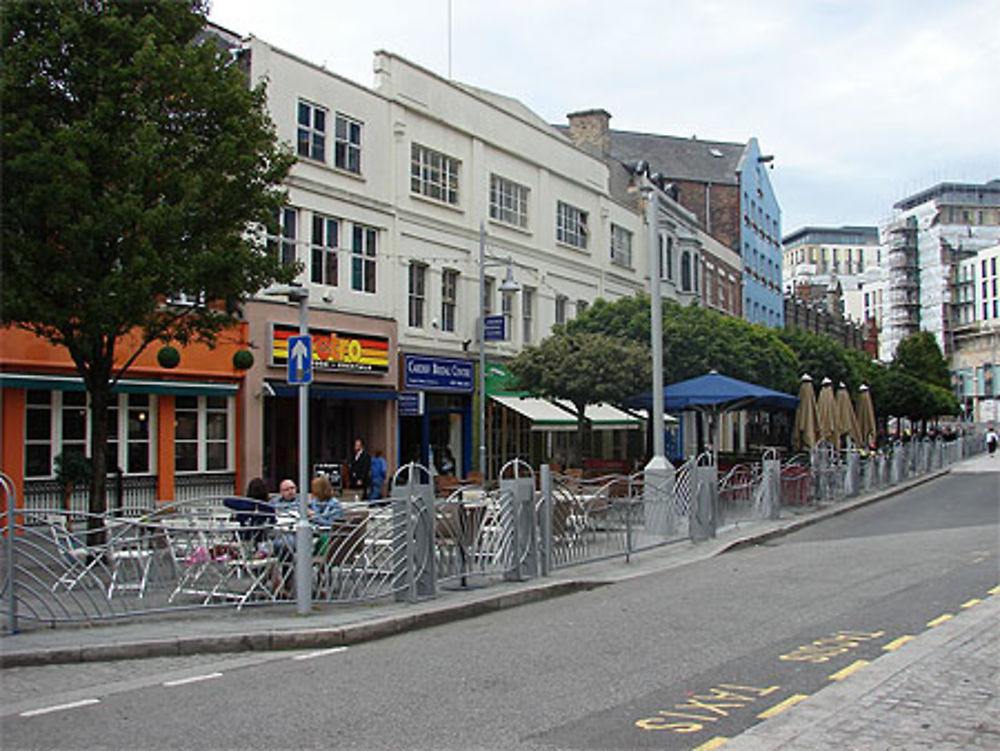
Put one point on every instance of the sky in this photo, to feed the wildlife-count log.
(861, 102)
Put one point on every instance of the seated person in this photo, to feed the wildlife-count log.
(288, 496)
(323, 507)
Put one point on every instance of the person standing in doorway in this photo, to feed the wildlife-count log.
(360, 470)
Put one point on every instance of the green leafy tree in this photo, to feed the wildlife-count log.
(696, 341)
(918, 355)
(582, 368)
(135, 156)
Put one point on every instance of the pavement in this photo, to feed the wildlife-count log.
(938, 691)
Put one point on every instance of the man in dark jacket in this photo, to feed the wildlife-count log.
(360, 470)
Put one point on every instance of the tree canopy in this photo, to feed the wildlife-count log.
(918, 355)
(135, 156)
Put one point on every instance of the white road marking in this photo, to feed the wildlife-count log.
(319, 653)
(60, 707)
(192, 679)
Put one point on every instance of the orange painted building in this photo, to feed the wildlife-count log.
(173, 433)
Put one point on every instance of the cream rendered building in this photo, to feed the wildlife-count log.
(384, 210)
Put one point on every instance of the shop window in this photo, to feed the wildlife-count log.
(201, 434)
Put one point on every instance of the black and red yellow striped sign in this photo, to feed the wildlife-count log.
(335, 350)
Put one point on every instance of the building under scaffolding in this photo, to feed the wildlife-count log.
(930, 234)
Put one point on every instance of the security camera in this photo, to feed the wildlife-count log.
(328, 298)
(434, 323)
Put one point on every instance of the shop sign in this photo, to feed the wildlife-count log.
(410, 403)
(339, 351)
(438, 373)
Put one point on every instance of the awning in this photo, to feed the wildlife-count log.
(605, 417)
(668, 419)
(124, 386)
(544, 415)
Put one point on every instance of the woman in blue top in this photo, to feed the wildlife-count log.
(379, 471)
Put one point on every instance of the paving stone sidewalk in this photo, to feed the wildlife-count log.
(941, 691)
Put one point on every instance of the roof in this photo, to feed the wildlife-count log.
(846, 235)
(953, 190)
(680, 158)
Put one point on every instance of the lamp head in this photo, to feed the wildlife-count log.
(508, 284)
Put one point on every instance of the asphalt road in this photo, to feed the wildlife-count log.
(668, 661)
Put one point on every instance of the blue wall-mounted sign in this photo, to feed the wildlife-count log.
(438, 374)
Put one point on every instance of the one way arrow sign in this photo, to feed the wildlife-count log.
(300, 359)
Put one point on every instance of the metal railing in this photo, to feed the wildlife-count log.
(222, 551)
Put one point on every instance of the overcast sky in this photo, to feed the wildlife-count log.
(862, 102)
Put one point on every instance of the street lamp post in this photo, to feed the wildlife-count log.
(508, 285)
(303, 531)
(659, 459)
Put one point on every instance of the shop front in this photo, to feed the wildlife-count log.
(173, 429)
(435, 413)
(352, 394)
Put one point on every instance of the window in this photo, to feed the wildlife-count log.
(993, 266)
(38, 431)
(581, 307)
(621, 246)
(282, 245)
(487, 300)
(433, 174)
(507, 311)
(312, 131)
(449, 299)
(201, 434)
(508, 201)
(561, 301)
(365, 240)
(417, 294)
(129, 430)
(686, 285)
(325, 240)
(58, 422)
(347, 144)
(527, 313)
(571, 225)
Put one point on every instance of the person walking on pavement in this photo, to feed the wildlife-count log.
(991, 440)
(359, 473)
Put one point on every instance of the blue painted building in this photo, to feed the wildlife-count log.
(760, 239)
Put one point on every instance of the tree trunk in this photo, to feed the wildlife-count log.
(581, 432)
(99, 388)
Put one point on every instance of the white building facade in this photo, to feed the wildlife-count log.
(385, 205)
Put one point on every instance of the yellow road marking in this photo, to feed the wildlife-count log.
(714, 743)
(849, 670)
(897, 643)
(777, 709)
(940, 619)
(994, 590)
(971, 603)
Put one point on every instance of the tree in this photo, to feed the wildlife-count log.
(696, 341)
(583, 368)
(134, 160)
(919, 356)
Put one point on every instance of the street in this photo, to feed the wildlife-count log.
(675, 660)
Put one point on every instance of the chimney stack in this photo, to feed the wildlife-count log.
(591, 130)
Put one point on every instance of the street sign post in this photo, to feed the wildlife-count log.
(300, 369)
